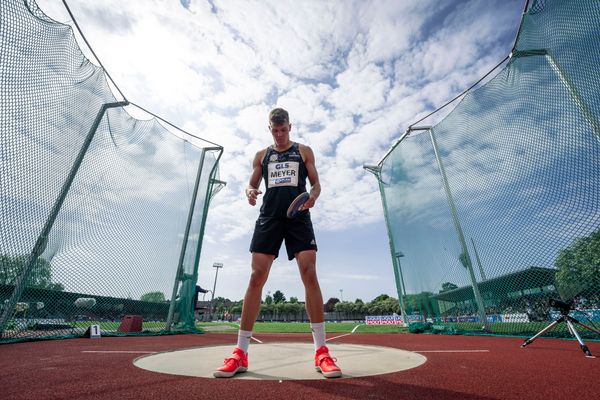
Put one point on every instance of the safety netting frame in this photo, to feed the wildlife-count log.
(74, 161)
(504, 255)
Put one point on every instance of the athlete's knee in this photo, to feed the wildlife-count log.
(261, 264)
(258, 278)
(308, 273)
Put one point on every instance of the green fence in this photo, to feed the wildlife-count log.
(102, 215)
(496, 209)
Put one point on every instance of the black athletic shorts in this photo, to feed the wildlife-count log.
(269, 232)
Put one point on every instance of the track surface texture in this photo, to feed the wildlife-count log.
(457, 367)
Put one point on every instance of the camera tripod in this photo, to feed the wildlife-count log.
(565, 308)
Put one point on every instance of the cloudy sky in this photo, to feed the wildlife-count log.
(353, 74)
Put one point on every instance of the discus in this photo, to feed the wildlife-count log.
(297, 205)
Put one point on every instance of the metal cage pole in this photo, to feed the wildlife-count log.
(467, 258)
(189, 281)
(376, 170)
(398, 256)
(481, 271)
(42, 240)
(179, 273)
(588, 115)
(193, 280)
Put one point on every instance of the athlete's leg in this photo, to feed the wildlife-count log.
(238, 362)
(261, 265)
(324, 363)
(307, 263)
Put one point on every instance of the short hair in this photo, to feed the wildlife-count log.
(279, 116)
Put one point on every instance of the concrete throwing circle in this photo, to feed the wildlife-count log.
(283, 361)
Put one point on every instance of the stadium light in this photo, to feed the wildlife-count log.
(216, 266)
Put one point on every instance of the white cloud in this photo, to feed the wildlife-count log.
(353, 75)
(361, 91)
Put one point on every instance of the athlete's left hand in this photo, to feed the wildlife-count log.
(310, 203)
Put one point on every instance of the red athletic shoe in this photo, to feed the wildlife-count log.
(325, 364)
(238, 362)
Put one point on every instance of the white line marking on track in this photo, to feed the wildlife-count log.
(451, 351)
(118, 351)
(337, 337)
(345, 334)
(252, 337)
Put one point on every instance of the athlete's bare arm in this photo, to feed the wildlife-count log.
(315, 186)
(252, 191)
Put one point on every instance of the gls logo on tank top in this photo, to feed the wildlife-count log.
(283, 173)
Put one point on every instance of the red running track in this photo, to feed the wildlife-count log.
(548, 369)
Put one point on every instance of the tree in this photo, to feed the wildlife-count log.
(221, 302)
(267, 309)
(279, 309)
(153, 297)
(268, 299)
(391, 306)
(374, 307)
(295, 309)
(421, 303)
(358, 307)
(330, 305)
(278, 296)
(447, 286)
(291, 309)
(381, 297)
(579, 266)
(345, 307)
(341, 307)
(40, 276)
(293, 300)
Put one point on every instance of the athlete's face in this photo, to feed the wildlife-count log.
(281, 133)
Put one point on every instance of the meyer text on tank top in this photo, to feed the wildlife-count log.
(285, 178)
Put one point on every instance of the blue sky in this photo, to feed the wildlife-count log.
(354, 76)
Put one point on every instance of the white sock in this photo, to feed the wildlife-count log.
(318, 332)
(244, 340)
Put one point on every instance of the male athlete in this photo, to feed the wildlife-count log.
(284, 166)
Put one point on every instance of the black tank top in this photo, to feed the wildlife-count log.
(285, 178)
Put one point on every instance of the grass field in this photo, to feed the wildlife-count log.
(302, 327)
(112, 326)
(502, 329)
(261, 327)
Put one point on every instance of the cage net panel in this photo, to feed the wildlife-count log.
(115, 244)
(521, 156)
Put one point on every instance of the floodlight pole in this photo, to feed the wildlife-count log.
(461, 237)
(42, 240)
(216, 266)
(376, 170)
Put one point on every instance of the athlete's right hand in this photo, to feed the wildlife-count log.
(252, 194)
